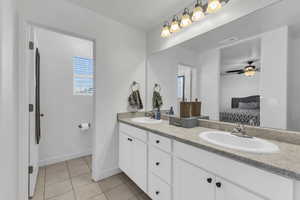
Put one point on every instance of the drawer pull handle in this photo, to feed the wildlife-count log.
(157, 141)
(129, 139)
(157, 192)
(218, 184)
(157, 163)
(209, 180)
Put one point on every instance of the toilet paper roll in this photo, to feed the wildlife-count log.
(84, 126)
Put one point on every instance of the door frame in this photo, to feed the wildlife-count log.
(23, 102)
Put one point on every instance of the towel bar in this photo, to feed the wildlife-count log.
(80, 126)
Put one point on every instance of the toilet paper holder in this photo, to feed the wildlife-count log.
(80, 125)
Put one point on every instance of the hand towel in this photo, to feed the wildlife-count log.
(157, 100)
(135, 100)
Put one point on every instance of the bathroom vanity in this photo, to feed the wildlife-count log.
(173, 163)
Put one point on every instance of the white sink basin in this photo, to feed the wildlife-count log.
(146, 120)
(252, 145)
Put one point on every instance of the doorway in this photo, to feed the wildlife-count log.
(62, 97)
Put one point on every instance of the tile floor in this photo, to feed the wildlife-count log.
(71, 180)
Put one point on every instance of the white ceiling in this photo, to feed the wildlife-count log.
(238, 55)
(143, 14)
(286, 12)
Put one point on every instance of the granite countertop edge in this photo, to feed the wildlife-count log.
(258, 164)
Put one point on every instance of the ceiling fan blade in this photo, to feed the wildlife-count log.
(235, 71)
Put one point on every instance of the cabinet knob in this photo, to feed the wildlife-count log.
(157, 163)
(157, 192)
(157, 141)
(218, 184)
(209, 180)
(129, 139)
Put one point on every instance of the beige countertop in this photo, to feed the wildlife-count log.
(284, 163)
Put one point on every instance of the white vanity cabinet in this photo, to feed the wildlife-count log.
(170, 170)
(228, 191)
(160, 167)
(125, 153)
(133, 155)
(192, 183)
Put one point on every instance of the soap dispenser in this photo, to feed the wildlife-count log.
(171, 112)
(158, 114)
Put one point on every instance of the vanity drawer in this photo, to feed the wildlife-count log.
(160, 163)
(160, 142)
(133, 132)
(158, 190)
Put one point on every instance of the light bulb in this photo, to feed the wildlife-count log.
(174, 25)
(185, 19)
(166, 31)
(249, 71)
(213, 6)
(198, 13)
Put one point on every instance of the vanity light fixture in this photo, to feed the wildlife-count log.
(166, 30)
(198, 13)
(186, 18)
(175, 25)
(213, 6)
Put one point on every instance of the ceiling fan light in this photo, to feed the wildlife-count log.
(198, 13)
(174, 25)
(186, 18)
(213, 6)
(249, 71)
(165, 31)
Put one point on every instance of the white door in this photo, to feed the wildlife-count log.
(125, 154)
(33, 140)
(228, 191)
(192, 183)
(140, 164)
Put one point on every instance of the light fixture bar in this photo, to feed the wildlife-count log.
(199, 11)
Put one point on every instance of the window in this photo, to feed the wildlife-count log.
(83, 83)
(180, 87)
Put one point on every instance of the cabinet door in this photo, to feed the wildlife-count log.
(158, 189)
(229, 191)
(125, 154)
(140, 164)
(192, 183)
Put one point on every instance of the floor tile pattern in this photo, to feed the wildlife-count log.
(71, 180)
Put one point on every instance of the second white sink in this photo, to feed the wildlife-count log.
(146, 120)
(226, 139)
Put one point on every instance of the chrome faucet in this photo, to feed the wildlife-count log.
(150, 114)
(240, 131)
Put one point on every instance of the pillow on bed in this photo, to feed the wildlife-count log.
(250, 105)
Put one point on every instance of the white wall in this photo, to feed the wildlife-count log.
(273, 78)
(162, 68)
(233, 11)
(8, 101)
(293, 106)
(63, 111)
(209, 83)
(237, 85)
(120, 59)
(186, 71)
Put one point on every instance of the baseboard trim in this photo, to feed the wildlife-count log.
(106, 174)
(57, 159)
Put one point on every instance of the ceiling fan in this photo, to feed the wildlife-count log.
(248, 70)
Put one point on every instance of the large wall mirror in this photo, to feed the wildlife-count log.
(250, 76)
